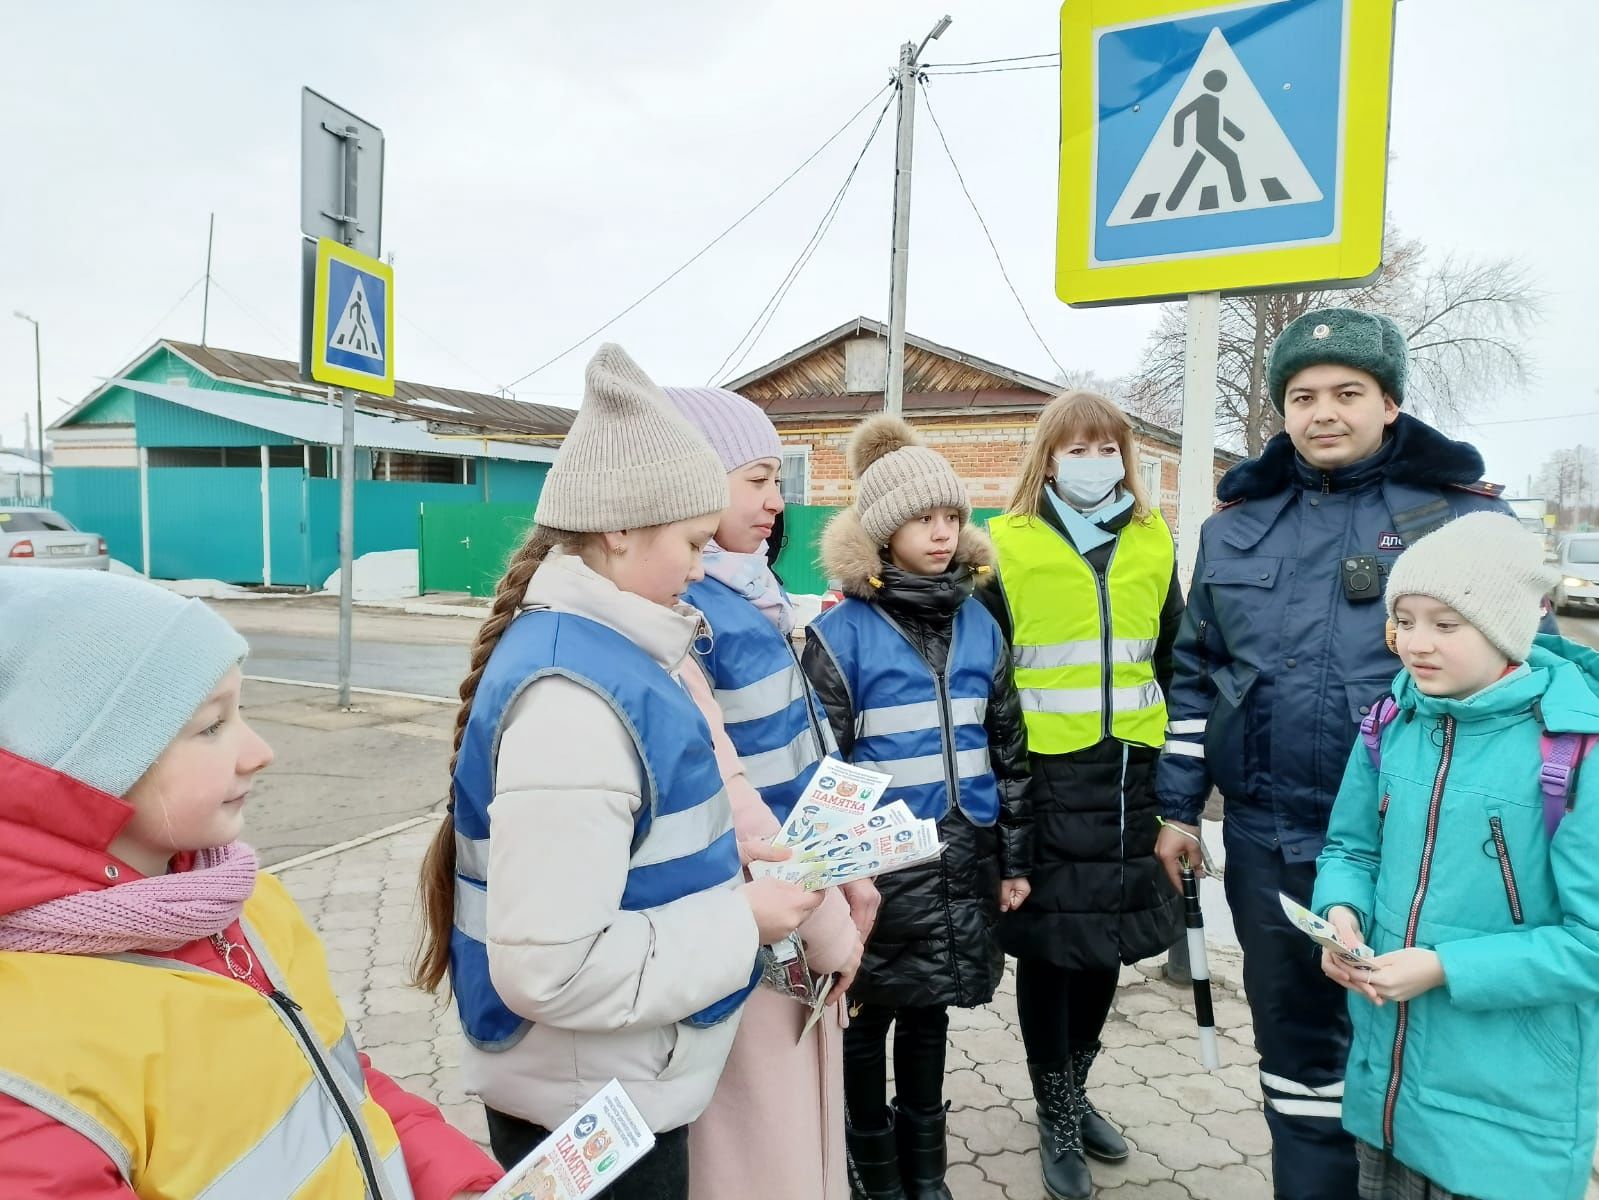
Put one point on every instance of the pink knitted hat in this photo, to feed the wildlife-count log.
(737, 430)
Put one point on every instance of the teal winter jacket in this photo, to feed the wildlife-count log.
(1489, 1084)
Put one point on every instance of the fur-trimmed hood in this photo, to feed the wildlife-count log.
(854, 560)
(1420, 456)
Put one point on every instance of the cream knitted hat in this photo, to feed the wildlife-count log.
(1487, 568)
(898, 477)
(630, 461)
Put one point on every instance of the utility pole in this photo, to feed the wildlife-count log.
(905, 80)
(205, 310)
(38, 396)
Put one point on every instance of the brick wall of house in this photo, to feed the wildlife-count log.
(985, 452)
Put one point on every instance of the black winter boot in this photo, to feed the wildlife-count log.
(1060, 1135)
(923, 1156)
(873, 1163)
(1100, 1138)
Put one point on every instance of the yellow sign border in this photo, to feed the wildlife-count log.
(1355, 256)
(329, 251)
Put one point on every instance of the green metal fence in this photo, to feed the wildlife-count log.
(464, 547)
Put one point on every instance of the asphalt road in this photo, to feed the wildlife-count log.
(389, 665)
(299, 640)
(423, 655)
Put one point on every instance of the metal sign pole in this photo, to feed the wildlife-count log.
(1197, 478)
(346, 539)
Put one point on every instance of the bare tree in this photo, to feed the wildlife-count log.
(1570, 478)
(1085, 379)
(1465, 321)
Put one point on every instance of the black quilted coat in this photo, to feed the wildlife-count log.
(934, 938)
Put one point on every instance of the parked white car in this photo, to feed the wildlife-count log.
(1579, 573)
(38, 537)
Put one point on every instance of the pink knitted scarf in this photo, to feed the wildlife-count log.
(161, 913)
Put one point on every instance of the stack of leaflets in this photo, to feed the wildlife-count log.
(837, 834)
(584, 1156)
(1324, 934)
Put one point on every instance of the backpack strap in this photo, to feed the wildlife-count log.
(1381, 716)
(1562, 754)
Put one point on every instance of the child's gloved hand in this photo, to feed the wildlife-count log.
(1013, 894)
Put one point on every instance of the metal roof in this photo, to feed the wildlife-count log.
(416, 401)
(12, 463)
(865, 325)
(321, 424)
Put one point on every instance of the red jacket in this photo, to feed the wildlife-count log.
(53, 837)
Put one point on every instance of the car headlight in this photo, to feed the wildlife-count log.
(1573, 581)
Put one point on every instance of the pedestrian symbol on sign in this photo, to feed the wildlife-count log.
(1218, 150)
(356, 332)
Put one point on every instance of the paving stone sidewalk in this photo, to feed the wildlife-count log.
(1197, 1135)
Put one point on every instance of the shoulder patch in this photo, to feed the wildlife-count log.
(1481, 488)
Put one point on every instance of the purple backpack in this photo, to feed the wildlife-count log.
(1557, 779)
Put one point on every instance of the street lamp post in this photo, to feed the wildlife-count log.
(38, 396)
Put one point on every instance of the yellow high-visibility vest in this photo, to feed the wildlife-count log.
(1084, 660)
(195, 1084)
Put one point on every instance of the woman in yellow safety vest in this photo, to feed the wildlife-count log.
(1088, 597)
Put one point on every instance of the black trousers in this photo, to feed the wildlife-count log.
(1061, 1009)
(662, 1174)
(1301, 1023)
(920, 1038)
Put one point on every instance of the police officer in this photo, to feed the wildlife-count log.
(1281, 653)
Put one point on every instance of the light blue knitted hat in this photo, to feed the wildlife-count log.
(99, 673)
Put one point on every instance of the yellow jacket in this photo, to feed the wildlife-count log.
(116, 1049)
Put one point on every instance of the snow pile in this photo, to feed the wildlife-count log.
(383, 575)
(208, 589)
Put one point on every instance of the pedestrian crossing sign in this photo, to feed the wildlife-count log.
(352, 321)
(1221, 147)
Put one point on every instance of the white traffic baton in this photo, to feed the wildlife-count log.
(1199, 968)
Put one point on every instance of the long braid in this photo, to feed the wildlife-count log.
(432, 959)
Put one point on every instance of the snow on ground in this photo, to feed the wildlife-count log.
(383, 575)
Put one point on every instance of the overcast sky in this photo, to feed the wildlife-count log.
(548, 163)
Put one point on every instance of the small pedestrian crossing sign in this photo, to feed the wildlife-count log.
(1220, 147)
(352, 325)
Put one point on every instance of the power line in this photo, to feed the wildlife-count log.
(948, 153)
(1047, 66)
(451, 354)
(276, 334)
(1531, 420)
(707, 247)
(145, 340)
(986, 62)
(769, 309)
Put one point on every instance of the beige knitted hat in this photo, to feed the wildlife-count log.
(1487, 568)
(630, 461)
(898, 477)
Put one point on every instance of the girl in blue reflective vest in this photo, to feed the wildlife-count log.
(778, 1075)
(916, 680)
(587, 897)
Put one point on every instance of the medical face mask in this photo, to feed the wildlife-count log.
(1084, 482)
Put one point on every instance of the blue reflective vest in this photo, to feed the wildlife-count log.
(683, 840)
(925, 730)
(774, 719)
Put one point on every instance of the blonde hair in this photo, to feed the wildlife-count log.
(1076, 416)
